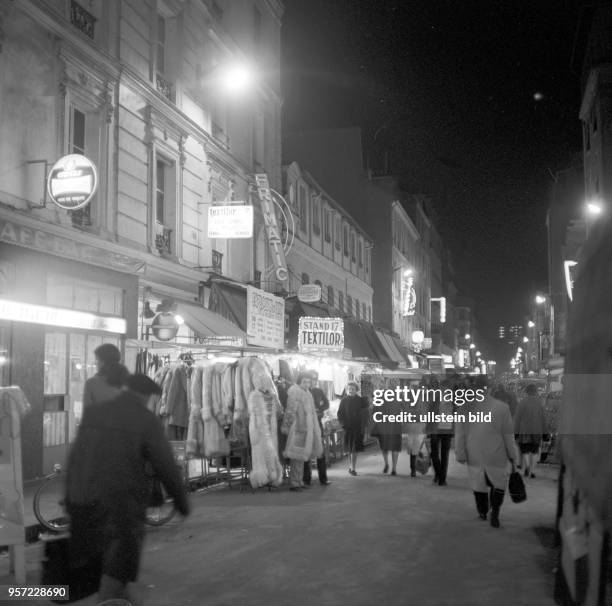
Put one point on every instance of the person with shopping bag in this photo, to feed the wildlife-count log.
(489, 449)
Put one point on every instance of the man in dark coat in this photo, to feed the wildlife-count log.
(321, 405)
(107, 489)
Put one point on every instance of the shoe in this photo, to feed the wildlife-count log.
(442, 483)
(495, 519)
(386, 469)
(434, 481)
(295, 489)
(394, 473)
(352, 472)
(325, 483)
(532, 475)
(483, 516)
(413, 474)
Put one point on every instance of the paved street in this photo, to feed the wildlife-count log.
(362, 540)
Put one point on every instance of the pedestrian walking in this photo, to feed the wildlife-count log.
(107, 489)
(110, 377)
(413, 434)
(501, 393)
(301, 427)
(352, 416)
(530, 427)
(440, 432)
(321, 405)
(389, 433)
(487, 448)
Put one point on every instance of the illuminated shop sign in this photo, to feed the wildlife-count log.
(442, 301)
(72, 182)
(408, 296)
(569, 269)
(321, 334)
(230, 221)
(14, 311)
(309, 293)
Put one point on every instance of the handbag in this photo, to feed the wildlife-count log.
(516, 487)
(83, 577)
(423, 459)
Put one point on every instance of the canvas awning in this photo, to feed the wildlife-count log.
(229, 301)
(208, 324)
(390, 347)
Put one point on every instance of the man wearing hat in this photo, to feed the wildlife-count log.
(107, 489)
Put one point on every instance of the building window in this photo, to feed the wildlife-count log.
(257, 278)
(357, 309)
(330, 296)
(162, 81)
(360, 253)
(217, 261)
(353, 257)
(165, 204)
(327, 225)
(364, 310)
(305, 278)
(367, 261)
(77, 143)
(338, 236)
(316, 215)
(349, 305)
(341, 301)
(346, 241)
(303, 208)
(318, 283)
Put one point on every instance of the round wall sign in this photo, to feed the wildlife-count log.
(72, 182)
(164, 326)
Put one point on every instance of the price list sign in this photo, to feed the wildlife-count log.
(265, 319)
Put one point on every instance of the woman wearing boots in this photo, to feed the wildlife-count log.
(413, 434)
(487, 448)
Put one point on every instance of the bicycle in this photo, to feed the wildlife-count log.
(49, 504)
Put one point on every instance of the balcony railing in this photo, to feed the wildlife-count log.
(164, 87)
(163, 240)
(82, 19)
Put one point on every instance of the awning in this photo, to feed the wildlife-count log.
(390, 347)
(208, 324)
(230, 302)
(379, 352)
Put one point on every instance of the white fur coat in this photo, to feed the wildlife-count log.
(301, 426)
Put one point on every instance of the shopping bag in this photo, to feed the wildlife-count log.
(516, 488)
(82, 578)
(423, 459)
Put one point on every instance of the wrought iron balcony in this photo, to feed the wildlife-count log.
(164, 87)
(82, 19)
(163, 240)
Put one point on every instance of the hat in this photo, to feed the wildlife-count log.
(143, 385)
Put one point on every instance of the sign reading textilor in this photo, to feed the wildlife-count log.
(265, 319)
(321, 334)
(230, 221)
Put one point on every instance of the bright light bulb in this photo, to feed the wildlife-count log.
(594, 207)
(531, 324)
(467, 337)
(525, 340)
(179, 319)
(540, 299)
(238, 78)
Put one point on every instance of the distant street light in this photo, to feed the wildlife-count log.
(531, 324)
(472, 346)
(525, 340)
(467, 337)
(594, 208)
(478, 354)
(540, 299)
(519, 349)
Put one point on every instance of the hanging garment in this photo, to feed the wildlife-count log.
(161, 378)
(195, 430)
(178, 398)
(219, 410)
(215, 442)
(227, 392)
(263, 406)
(242, 389)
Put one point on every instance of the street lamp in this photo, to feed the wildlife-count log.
(531, 324)
(525, 340)
(478, 354)
(594, 208)
(540, 299)
(467, 337)
(472, 346)
(237, 78)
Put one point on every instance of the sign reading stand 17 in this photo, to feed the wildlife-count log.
(72, 182)
(321, 334)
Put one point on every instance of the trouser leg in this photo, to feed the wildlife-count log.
(445, 443)
(435, 455)
(482, 503)
(413, 464)
(322, 469)
(307, 477)
(296, 472)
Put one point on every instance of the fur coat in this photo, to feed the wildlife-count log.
(195, 431)
(301, 426)
(263, 407)
(215, 442)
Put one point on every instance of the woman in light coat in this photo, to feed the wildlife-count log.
(301, 426)
(487, 448)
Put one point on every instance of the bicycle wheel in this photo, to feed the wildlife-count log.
(49, 504)
(160, 514)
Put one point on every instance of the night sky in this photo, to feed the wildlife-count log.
(450, 88)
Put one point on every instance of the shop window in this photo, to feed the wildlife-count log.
(341, 301)
(330, 296)
(67, 292)
(55, 363)
(305, 278)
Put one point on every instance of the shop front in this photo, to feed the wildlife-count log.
(54, 312)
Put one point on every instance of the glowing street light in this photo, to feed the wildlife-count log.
(237, 78)
(519, 349)
(478, 354)
(531, 324)
(540, 299)
(472, 346)
(407, 273)
(594, 208)
(467, 337)
(525, 340)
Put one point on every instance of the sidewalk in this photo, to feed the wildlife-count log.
(363, 540)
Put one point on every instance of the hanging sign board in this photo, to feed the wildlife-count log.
(230, 221)
(72, 182)
(309, 293)
(321, 334)
(265, 319)
(272, 231)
